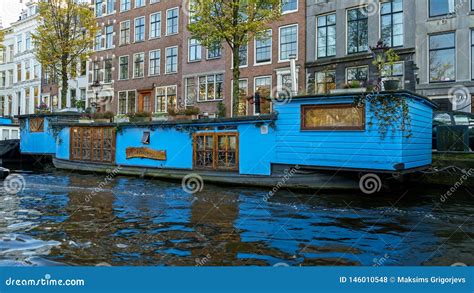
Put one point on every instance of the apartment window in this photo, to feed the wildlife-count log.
(98, 41)
(442, 57)
(139, 3)
(289, 6)
(27, 70)
(154, 1)
(108, 71)
(109, 36)
(325, 81)
(131, 102)
(155, 25)
(127, 102)
(395, 70)
(357, 28)
(110, 6)
(263, 86)
(243, 94)
(19, 43)
(441, 7)
(190, 91)
(172, 21)
(263, 48)
(332, 117)
(3, 55)
(391, 22)
(125, 32)
(138, 65)
(360, 74)
(27, 41)
(214, 51)
(288, 42)
(125, 5)
(211, 87)
(18, 72)
(155, 58)
(123, 67)
(98, 8)
(139, 29)
(243, 54)
(172, 60)
(3, 79)
(95, 71)
(10, 77)
(165, 99)
(326, 35)
(194, 50)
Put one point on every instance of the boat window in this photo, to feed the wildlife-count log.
(442, 119)
(332, 117)
(216, 151)
(37, 124)
(95, 144)
(146, 137)
(460, 119)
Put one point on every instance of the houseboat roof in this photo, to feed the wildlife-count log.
(61, 114)
(204, 121)
(414, 95)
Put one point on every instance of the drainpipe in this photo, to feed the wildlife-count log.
(294, 86)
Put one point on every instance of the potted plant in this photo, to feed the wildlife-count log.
(85, 118)
(184, 114)
(353, 86)
(121, 118)
(384, 63)
(42, 109)
(159, 116)
(80, 104)
(103, 117)
(139, 117)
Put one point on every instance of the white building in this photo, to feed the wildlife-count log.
(20, 69)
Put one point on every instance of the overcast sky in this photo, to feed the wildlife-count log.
(10, 10)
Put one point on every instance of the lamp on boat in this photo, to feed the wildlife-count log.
(96, 88)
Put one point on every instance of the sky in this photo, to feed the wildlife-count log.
(10, 11)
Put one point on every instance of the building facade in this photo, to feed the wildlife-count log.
(445, 52)
(20, 72)
(341, 33)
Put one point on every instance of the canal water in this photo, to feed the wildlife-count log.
(63, 218)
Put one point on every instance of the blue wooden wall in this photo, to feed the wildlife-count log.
(37, 142)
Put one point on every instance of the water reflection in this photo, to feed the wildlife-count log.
(63, 218)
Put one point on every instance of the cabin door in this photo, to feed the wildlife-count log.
(216, 151)
(144, 102)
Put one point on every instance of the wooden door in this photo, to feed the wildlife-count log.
(143, 103)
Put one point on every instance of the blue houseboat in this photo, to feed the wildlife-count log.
(309, 142)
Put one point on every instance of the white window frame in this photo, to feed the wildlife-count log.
(166, 60)
(177, 21)
(255, 88)
(159, 27)
(189, 50)
(232, 96)
(290, 11)
(123, 10)
(144, 3)
(354, 67)
(255, 50)
(135, 29)
(279, 42)
(134, 63)
(120, 69)
(129, 32)
(149, 63)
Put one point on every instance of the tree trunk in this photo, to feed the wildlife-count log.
(235, 77)
(64, 82)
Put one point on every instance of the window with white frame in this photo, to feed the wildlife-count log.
(243, 54)
(125, 32)
(326, 35)
(194, 50)
(391, 23)
(108, 71)
(139, 3)
(360, 74)
(127, 102)
(357, 30)
(393, 71)
(172, 24)
(214, 51)
(441, 7)
(243, 94)
(27, 41)
(288, 42)
(171, 60)
(155, 25)
(125, 5)
(140, 29)
(98, 8)
(154, 60)
(263, 48)
(123, 67)
(442, 57)
(325, 81)
(98, 41)
(210, 87)
(19, 43)
(110, 6)
(109, 36)
(138, 65)
(165, 99)
(289, 6)
(190, 94)
(263, 85)
(96, 71)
